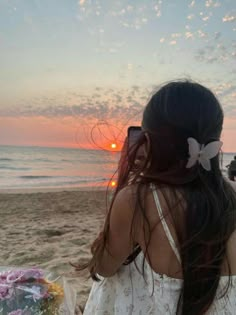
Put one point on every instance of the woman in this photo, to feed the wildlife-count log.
(174, 218)
(232, 169)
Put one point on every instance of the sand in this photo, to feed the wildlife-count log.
(51, 229)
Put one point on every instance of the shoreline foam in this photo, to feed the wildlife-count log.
(51, 189)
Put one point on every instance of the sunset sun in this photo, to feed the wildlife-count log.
(113, 183)
(113, 146)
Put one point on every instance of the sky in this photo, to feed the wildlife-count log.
(77, 73)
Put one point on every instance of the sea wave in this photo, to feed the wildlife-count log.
(80, 181)
(35, 177)
(4, 167)
(64, 179)
(31, 181)
(6, 159)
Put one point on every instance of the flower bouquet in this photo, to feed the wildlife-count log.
(29, 291)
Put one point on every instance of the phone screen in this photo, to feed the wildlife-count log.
(133, 135)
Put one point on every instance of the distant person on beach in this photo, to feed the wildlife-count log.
(232, 169)
(168, 242)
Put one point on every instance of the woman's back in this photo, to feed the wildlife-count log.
(157, 291)
(162, 257)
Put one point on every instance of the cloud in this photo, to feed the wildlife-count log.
(217, 52)
(188, 35)
(227, 89)
(211, 3)
(103, 104)
(157, 9)
(201, 34)
(122, 13)
(229, 18)
(205, 18)
(111, 105)
(190, 16)
(176, 35)
(226, 92)
(192, 4)
(81, 2)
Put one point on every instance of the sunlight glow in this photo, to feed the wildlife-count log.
(113, 183)
(113, 146)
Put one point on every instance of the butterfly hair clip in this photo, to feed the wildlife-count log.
(202, 153)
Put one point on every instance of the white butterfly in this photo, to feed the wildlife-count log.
(201, 153)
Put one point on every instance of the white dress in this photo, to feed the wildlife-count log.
(128, 293)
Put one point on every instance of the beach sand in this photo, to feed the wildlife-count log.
(51, 229)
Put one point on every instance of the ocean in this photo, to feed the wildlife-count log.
(40, 167)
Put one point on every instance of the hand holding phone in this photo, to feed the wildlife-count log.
(134, 133)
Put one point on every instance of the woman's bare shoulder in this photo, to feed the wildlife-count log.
(131, 190)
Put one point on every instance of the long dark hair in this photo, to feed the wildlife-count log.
(180, 110)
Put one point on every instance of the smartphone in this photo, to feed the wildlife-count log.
(134, 133)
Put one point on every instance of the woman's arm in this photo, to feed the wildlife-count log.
(120, 241)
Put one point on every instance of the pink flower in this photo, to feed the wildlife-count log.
(16, 312)
(34, 273)
(5, 292)
(17, 275)
(14, 275)
(3, 277)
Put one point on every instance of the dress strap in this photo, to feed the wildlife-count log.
(164, 224)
